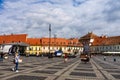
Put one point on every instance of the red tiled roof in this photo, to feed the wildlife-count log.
(13, 38)
(101, 40)
(112, 40)
(90, 35)
(54, 41)
(34, 41)
(106, 41)
(74, 42)
(98, 40)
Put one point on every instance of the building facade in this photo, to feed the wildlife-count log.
(34, 47)
(11, 43)
(37, 46)
(104, 44)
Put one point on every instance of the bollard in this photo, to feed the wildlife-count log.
(104, 58)
(114, 59)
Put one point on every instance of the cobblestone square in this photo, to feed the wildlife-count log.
(43, 68)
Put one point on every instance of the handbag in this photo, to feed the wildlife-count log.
(20, 60)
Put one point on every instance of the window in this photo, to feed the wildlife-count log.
(64, 47)
(52, 47)
(110, 47)
(30, 48)
(43, 47)
(3, 41)
(118, 47)
(115, 47)
(106, 47)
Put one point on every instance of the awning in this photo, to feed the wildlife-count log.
(111, 52)
(6, 48)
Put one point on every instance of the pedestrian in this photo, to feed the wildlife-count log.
(65, 57)
(16, 62)
(2, 55)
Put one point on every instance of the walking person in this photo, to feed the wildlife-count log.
(65, 57)
(16, 62)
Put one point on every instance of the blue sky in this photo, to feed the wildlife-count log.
(68, 18)
(1, 3)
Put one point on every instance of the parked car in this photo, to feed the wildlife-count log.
(58, 53)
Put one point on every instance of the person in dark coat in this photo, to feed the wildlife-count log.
(65, 57)
(2, 56)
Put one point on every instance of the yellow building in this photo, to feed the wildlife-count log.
(35, 46)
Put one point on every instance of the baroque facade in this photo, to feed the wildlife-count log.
(39, 46)
(46, 45)
(98, 44)
(103, 44)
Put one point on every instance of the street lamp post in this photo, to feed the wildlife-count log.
(54, 41)
(49, 55)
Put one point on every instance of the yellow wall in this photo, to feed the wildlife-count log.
(33, 50)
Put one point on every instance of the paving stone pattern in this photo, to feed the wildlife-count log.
(116, 76)
(25, 77)
(44, 71)
(110, 66)
(42, 68)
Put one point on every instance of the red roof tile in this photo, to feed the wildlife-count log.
(54, 41)
(90, 35)
(34, 41)
(101, 40)
(13, 38)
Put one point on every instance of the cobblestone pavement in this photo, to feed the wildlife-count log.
(42, 68)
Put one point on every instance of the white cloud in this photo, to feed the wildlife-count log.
(68, 17)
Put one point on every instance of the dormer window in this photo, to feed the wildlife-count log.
(3, 41)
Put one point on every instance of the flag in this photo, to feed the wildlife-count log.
(49, 27)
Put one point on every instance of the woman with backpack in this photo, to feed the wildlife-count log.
(16, 62)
